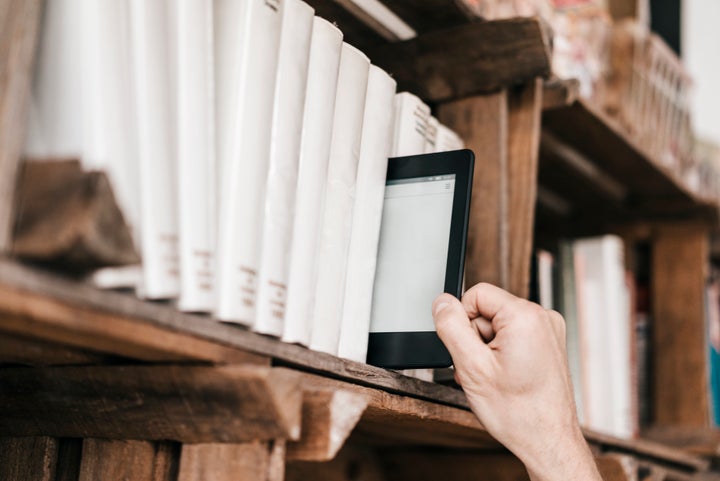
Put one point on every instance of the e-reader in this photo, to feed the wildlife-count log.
(421, 253)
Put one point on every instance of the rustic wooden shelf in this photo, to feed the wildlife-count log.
(592, 175)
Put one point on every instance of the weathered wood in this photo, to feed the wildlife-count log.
(328, 418)
(28, 458)
(354, 462)
(467, 60)
(614, 467)
(481, 121)
(680, 379)
(427, 465)
(19, 26)
(78, 314)
(37, 316)
(69, 218)
(560, 93)
(31, 352)
(110, 460)
(252, 461)
(182, 403)
(525, 107)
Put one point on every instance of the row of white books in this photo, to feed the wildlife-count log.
(247, 145)
(589, 285)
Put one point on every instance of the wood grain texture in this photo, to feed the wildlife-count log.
(226, 462)
(182, 403)
(524, 109)
(481, 122)
(467, 60)
(31, 352)
(328, 418)
(69, 218)
(19, 26)
(28, 458)
(112, 460)
(680, 376)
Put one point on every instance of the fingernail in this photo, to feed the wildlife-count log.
(439, 307)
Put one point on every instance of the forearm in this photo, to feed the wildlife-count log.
(567, 459)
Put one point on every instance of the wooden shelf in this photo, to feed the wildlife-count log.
(88, 347)
(592, 175)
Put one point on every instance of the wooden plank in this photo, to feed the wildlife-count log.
(80, 315)
(525, 106)
(28, 458)
(110, 460)
(31, 352)
(19, 25)
(700, 441)
(481, 122)
(679, 266)
(252, 461)
(467, 60)
(328, 418)
(182, 403)
(69, 219)
(37, 316)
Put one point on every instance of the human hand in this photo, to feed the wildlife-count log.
(510, 359)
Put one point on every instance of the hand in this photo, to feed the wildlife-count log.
(510, 359)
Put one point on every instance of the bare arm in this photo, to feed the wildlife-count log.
(510, 359)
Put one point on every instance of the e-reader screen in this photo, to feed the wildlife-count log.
(412, 253)
(421, 253)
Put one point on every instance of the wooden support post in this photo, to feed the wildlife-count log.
(110, 460)
(28, 458)
(481, 121)
(19, 26)
(679, 359)
(181, 403)
(328, 418)
(253, 461)
(524, 112)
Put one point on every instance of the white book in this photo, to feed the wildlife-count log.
(568, 307)
(245, 162)
(410, 125)
(289, 104)
(604, 316)
(153, 41)
(367, 214)
(431, 135)
(197, 183)
(447, 139)
(545, 264)
(325, 48)
(339, 198)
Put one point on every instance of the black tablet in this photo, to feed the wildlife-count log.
(421, 254)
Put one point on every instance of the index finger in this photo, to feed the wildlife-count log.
(486, 300)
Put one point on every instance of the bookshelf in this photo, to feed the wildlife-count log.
(250, 407)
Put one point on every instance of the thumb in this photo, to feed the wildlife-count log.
(455, 329)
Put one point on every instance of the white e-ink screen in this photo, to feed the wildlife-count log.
(413, 253)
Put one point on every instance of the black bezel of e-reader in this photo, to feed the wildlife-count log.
(411, 350)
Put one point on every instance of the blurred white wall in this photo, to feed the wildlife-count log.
(701, 53)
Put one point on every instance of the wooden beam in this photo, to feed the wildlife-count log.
(69, 219)
(468, 59)
(182, 403)
(251, 461)
(481, 122)
(525, 107)
(328, 418)
(679, 347)
(28, 458)
(32, 352)
(19, 26)
(104, 459)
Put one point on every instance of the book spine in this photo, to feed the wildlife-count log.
(245, 174)
(282, 172)
(324, 62)
(367, 214)
(153, 58)
(339, 198)
(410, 125)
(196, 155)
(431, 134)
(447, 140)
